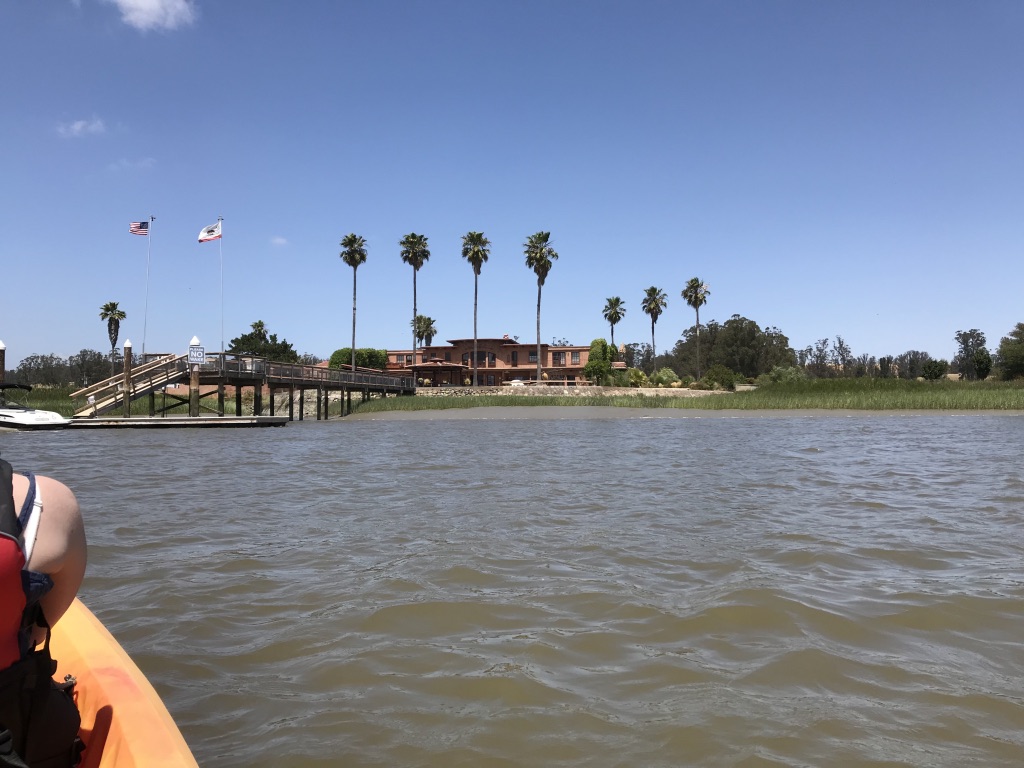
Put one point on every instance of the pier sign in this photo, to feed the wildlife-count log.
(196, 355)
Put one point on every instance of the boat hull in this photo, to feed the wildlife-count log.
(19, 420)
(124, 722)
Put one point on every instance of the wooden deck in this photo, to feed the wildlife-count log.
(220, 371)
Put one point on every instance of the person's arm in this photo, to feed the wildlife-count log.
(60, 548)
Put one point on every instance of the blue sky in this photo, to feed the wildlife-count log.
(851, 169)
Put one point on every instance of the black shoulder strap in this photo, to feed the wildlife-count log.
(8, 518)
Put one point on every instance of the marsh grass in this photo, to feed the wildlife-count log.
(818, 394)
(57, 399)
(813, 394)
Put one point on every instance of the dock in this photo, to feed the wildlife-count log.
(107, 403)
(200, 422)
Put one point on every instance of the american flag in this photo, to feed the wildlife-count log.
(139, 227)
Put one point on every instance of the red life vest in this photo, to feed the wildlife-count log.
(12, 563)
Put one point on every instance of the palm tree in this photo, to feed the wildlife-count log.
(654, 304)
(539, 256)
(353, 253)
(415, 253)
(424, 329)
(113, 315)
(696, 294)
(475, 249)
(614, 311)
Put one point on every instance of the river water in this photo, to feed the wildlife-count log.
(567, 587)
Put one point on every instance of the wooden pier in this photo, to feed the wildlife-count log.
(216, 373)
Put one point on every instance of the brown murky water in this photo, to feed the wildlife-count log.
(581, 591)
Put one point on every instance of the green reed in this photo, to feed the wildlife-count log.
(817, 394)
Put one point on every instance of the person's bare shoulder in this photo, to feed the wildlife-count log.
(60, 545)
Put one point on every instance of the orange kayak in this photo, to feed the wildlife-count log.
(124, 722)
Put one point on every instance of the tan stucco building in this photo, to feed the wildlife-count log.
(499, 361)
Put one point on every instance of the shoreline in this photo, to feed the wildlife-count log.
(605, 412)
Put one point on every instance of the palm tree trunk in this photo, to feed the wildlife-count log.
(654, 352)
(475, 285)
(697, 310)
(538, 334)
(414, 320)
(353, 319)
(613, 333)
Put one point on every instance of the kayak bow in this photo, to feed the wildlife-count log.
(124, 722)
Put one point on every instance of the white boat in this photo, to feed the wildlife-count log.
(14, 415)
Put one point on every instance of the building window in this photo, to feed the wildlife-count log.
(490, 380)
(515, 358)
(533, 357)
(575, 358)
(448, 356)
(465, 358)
(558, 358)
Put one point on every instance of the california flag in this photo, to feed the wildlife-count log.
(212, 232)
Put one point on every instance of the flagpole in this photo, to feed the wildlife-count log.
(220, 247)
(145, 315)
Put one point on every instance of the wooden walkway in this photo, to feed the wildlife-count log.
(220, 371)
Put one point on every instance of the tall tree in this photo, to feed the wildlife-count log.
(260, 343)
(1011, 354)
(696, 295)
(654, 303)
(614, 311)
(475, 249)
(842, 356)
(540, 255)
(424, 329)
(353, 253)
(970, 343)
(113, 315)
(414, 253)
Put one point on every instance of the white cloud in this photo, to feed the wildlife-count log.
(278, 241)
(81, 128)
(124, 164)
(156, 14)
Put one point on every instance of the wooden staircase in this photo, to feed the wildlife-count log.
(110, 393)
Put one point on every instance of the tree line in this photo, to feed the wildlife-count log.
(740, 347)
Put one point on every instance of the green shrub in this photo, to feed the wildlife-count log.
(664, 377)
(782, 374)
(365, 358)
(720, 377)
(933, 370)
(637, 378)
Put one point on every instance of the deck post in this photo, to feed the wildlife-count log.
(238, 399)
(3, 360)
(319, 392)
(193, 392)
(126, 383)
(257, 399)
(271, 400)
(302, 400)
(220, 397)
